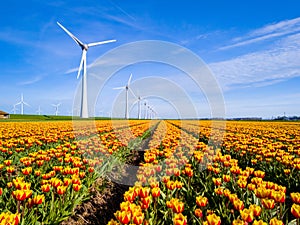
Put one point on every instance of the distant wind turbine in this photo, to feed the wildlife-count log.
(56, 108)
(22, 103)
(139, 107)
(84, 113)
(14, 109)
(127, 88)
(39, 110)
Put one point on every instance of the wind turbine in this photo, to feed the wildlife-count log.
(56, 108)
(14, 109)
(39, 110)
(139, 107)
(127, 88)
(145, 109)
(22, 103)
(84, 113)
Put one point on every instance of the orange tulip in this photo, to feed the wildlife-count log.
(77, 187)
(201, 201)
(138, 217)
(259, 222)
(213, 219)
(46, 187)
(21, 195)
(238, 204)
(123, 216)
(217, 181)
(155, 192)
(178, 207)
(278, 196)
(256, 209)
(275, 221)
(295, 210)
(198, 213)
(226, 178)
(295, 197)
(61, 190)
(268, 203)
(144, 192)
(247, 215)
(179, 219)
(37, 200)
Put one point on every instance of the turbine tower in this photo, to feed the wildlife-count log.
(22, 103)
(39, 110)
(127, 88)
(56, 108)
(139, 107)
(84, 113)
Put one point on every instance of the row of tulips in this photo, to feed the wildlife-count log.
(47, 168)
(186, 180)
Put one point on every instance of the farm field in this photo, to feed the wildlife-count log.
(186, 172)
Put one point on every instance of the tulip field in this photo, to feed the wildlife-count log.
(190, 171)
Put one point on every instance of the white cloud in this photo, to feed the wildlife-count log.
(31, 81)
(279, 29)
(259, 68)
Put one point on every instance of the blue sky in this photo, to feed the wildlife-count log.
(251, 47)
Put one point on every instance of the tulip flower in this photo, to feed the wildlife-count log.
(144, 192)
(198, 213)
(61, 190)
(201, 201)
(268, 203)
(37, 200)
(123, 216)
(295, 210)
(178, 207)
(21, 195)
(217, 181)
(278, 196)
(7, 162)
(238, 204)
(259, 222)
(256, 209)
(46, 187)
(213, 219)
(179, 219)
(77, 187)
(27, 170)
(226, 178)
(275, 221)
(155, 192)
(247, 215)
(138, 217)
(295, 197)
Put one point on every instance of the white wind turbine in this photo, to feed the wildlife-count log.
(127, 88)
(56, 108)
(139, 107)
(22, 103)
(39, 110)
(84, 113)
(14, 109)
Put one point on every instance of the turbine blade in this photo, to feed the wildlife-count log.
(119, 88)
(100, 43)
(25, 103)
(81, 63)
(18, 103)
(71, 35)
(129, 80)
(132, 93)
